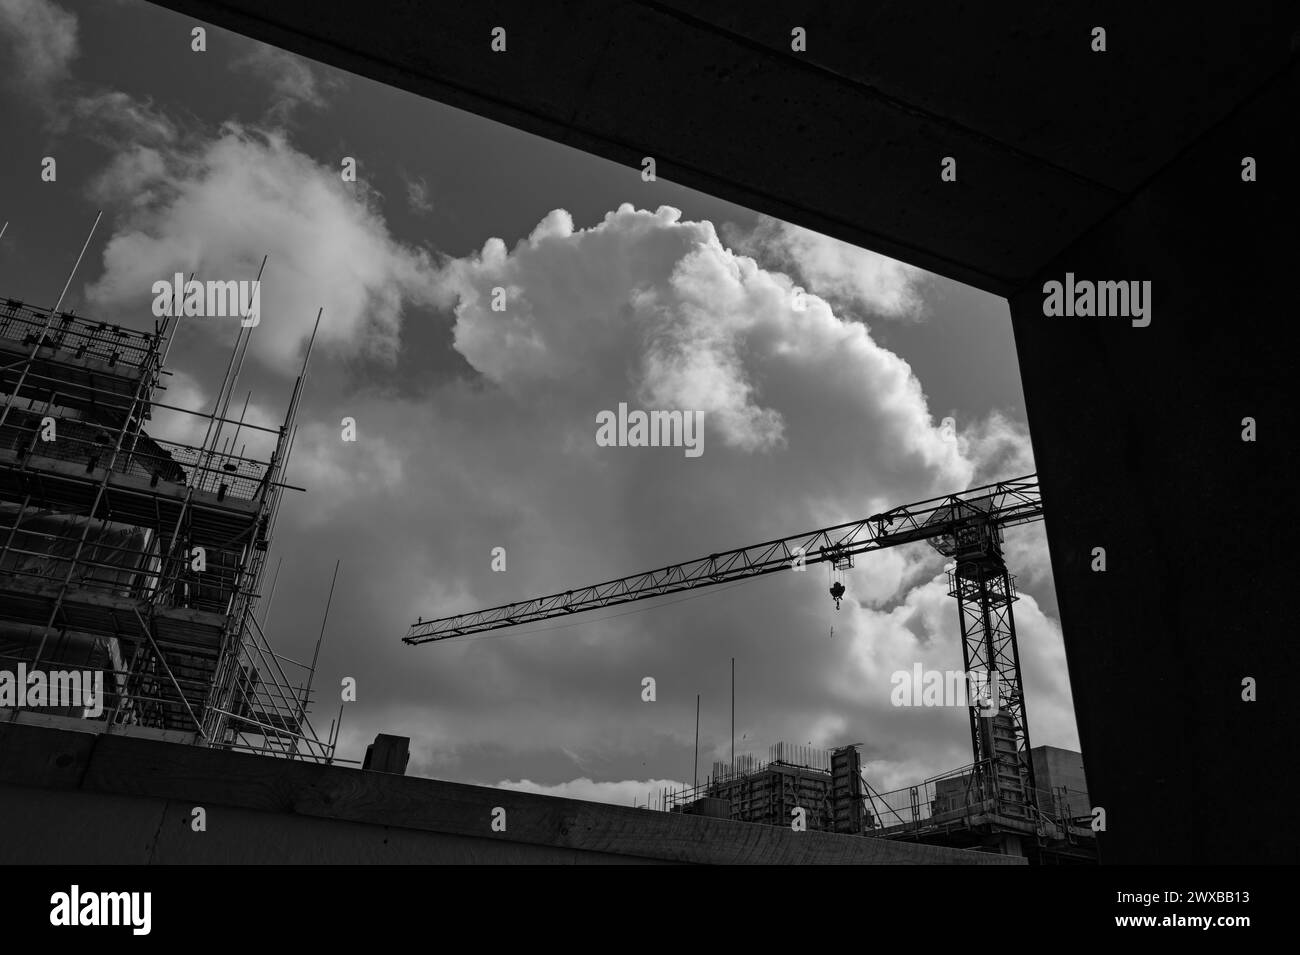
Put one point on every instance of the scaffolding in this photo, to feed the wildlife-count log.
(137, 559)
(968, 807)
(766, 793)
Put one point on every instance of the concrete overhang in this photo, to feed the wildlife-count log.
(847, 138)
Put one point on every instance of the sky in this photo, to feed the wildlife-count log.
(475, 428)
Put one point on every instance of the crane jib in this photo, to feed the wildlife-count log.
(1004, 504)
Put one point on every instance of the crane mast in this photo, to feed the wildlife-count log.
(966, 527)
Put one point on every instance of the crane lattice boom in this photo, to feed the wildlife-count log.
(938, 520)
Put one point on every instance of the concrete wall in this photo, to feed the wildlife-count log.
(1055, 767)
(1137, 436)
(83, 828)
(80, 798)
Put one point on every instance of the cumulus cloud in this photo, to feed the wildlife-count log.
(835, 270)
(41, 37)
(418, 196)
(293, 81)
(666, 315)
(1000, 446)
(214, 206)
(812, 422)
(338, 472)
(923, 629)
(190, 200)
(122, 122)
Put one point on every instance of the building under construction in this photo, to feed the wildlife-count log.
(793, 777)
(135, 561)
(965, 808)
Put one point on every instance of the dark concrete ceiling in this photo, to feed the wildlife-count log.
(1049, 137)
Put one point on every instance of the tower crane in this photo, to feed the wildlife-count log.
(965, 527)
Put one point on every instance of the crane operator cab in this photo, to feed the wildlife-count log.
(837, 591)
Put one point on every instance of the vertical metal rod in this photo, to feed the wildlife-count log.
(283, 475)
(215, 421)
(311, 674)
(306, 360)
(27, 367)
(247, 398)
(223, 453)
(733, 716)
(266, 612)
(73, 273)
(696, 778)
(169, 329)
(216, 407)
(239, 367)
